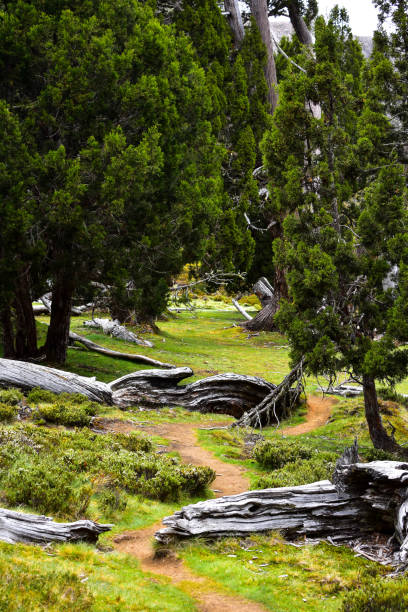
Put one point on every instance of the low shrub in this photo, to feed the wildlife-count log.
(41, 590)
(110, 499)
(156, 476)
(276, 453)
(303, 471)
(65, 414)
(378, 596)
(11, 397)
(44, 484)
(7, 413)
(38, 395)
(51, 470)
(376, 454)
(134, 442)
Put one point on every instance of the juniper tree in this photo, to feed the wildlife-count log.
(344, 223)
(127, 183)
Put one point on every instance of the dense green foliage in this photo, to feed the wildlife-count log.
(292, 463)
(344, 221)
(57, 472)
(118, 179)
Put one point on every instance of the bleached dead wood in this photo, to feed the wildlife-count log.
(117, 354)
(27, 376)
(116, 330)
(33, 529)
(364, 498)
(314, 510)
(231, 394)
(46, 301)
(242, 310)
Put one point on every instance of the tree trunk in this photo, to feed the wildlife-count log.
(298, 23)
(58, 331)
(232, 394)
(259, 10)
(269, 298)
(8, 334)
(235, 20)
(378, 434)
(26, 331)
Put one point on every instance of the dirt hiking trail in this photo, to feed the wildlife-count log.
(230, 479)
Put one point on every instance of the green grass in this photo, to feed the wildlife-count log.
(114, 580)
(307, 578)
(282, 578)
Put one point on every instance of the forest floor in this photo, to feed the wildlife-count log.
(261, 572)
(230, 480)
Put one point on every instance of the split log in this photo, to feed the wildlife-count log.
(231, 394)
(345, 390)
(314, 510)
(117, 354)
(116, 330)
(364, 498)
(33, 529)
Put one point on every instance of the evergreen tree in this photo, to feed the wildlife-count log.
(389, 74)
(344, 224)
(127, 180)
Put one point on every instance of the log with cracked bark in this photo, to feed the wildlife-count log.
(34, 529)
(231, 394)
(364, 498)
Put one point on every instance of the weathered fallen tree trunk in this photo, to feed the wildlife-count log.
(364, 498)
(33, 529)
(97, 348)
(116, 330)
(231, 394)
(46, 308)
(27, 376)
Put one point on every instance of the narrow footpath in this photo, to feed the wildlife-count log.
(231, 479)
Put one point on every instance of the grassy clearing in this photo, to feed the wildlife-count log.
(262, 568)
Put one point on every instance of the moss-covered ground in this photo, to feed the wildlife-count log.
(263, 569)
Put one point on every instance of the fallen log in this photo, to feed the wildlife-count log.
(231, 394)
(27, 376)
(33, 529)
(364, 498)
(46, 301)
(116, 330)
(97, 348)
